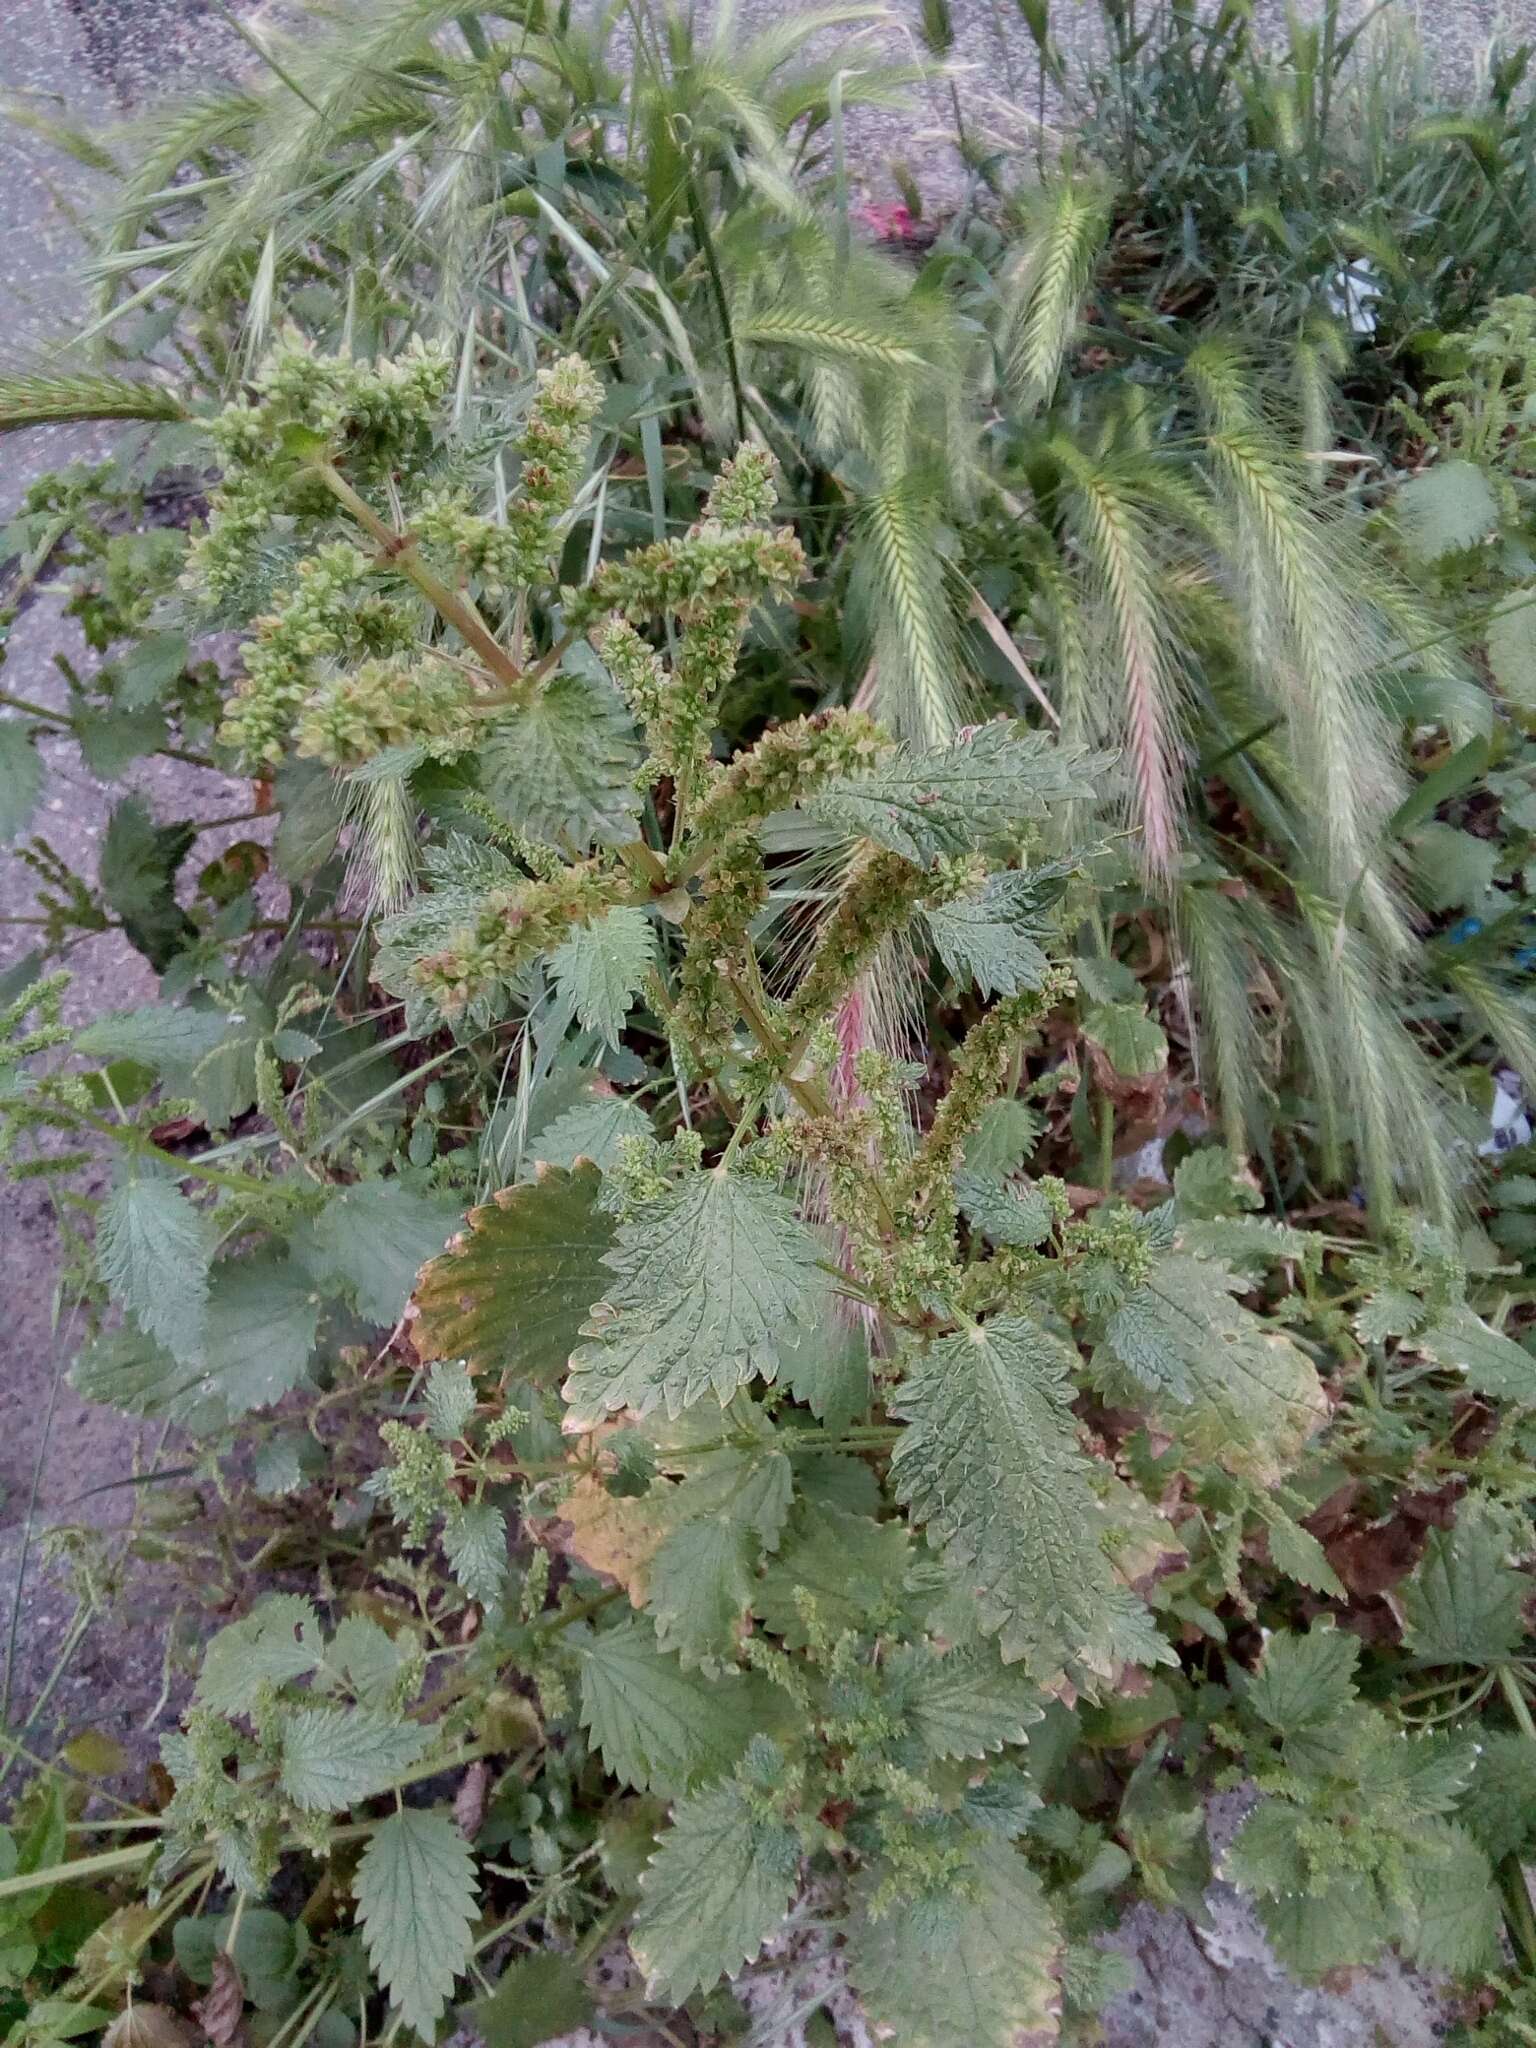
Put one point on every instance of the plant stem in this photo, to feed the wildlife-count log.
(1518, 1915)
(73, 1635)
(399, 551)
(1106, 1142)
(83, 1866)
(186, 1169)
(553, 1623)
(1519, 1918)
(722, 305)
(1514, 1699)
(25, 704)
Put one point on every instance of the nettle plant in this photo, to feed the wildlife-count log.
(776, 1502)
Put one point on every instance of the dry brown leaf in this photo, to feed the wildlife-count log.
(614, 1537)
(148, 2026)
(469, 1800)
(221, 2009)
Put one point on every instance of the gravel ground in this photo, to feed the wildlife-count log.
(101, 59)
(61, 1462)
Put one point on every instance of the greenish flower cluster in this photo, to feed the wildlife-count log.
(643, 677)
(732, 890)
(395, 702)
(710, 568)
(647, 1168)
(416, 1484)
(310, 417)
(1110, 1255)
(327, 617)
(553, 446)
(789, 763)
(512, 927)
(516, 553)
(710, 580)
(236, 1808)
(746, 491)
(380, 411)
(308, 406)
(980, 1070)
(878, 898)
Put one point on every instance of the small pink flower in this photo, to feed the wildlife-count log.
(892, 223)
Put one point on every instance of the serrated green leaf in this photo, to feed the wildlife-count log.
(139, 861)
(965, 1704)
(335, 1756)
(589, 1130)
(110, 741)
(1313, 1932)
(373, 1239)
(1415, 1777)
(262, 1318)
(296, 1045)
(752, 1486)
(1247, 1243)
(511, 1295)
(1388, 1312)
(947, 800)
(975, 1967)
(1002, 1211)
(278, 1641)
(370, 1659)
(661, 1728)
(309, 821)
(700, 1588)
(415, 1891)
(1304, 1680)
(718, 1886)
(1464, 1604)
(1454, 1919)
(21, 779)
(129, 1370)
(852, 1569)
(197, 1050)
(537, 1997)
(1139, 1338)
(1445, 509)
(1455, 868)
(1512, 646)
(1003, 1139)
(450, 1399)
(712, 1278)
(993, 940)
(1129, 1039)
(1268, 1855)
(1162, 1823)
(154, 1249)
(149, 668)
(1252, 1398)
(990, 1461)
(563, 770)
(602, 966)
(283, 1464)
(1090, 1976)
(1499, 1808)
(475, 1545)
(831, 1479)
(1493, 1363)
(1206, 1184)
(1297, 1552)
(829, 1371)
